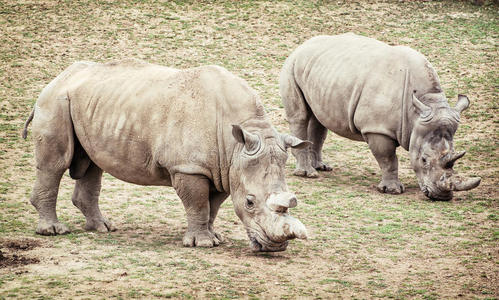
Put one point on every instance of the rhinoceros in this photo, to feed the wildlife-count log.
(387, 96)
(202, 131)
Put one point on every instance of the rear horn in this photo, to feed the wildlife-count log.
(449, 163)
(282, 201)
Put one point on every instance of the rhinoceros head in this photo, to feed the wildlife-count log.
(431, 147)
(259, 191)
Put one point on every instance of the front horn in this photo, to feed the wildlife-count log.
(459, 184)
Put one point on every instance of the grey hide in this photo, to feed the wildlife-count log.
(387, 96)
(201, 130)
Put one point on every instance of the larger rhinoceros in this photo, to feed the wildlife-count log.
(201, 130)
(387, 96)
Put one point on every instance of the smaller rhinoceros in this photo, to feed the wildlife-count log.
(201, 130)
(387, 96)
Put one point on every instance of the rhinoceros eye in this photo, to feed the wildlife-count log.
(425, 162)
(250, 201)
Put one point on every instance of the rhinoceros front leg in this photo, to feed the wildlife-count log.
(304, 168)
(86, 198)
(216, 199)
(317, 135)
(383, 149)
(298, 114)
(194, 190)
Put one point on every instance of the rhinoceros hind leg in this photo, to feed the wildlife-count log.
(317, 135)
(53, 137)
(44, 199)
(383, 149)
(194, 190)
(86, 198)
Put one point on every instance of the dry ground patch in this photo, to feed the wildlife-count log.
(363, 244)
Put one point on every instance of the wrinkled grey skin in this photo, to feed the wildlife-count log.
(387, 96)
(201, 130)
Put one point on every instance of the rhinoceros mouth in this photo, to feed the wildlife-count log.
(264, 244)
(437, 194)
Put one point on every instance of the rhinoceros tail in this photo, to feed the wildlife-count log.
(25, 130)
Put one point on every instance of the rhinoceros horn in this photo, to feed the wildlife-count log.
(459, 184)
(451, 159)
(455, 183)
(285, 226)
(282, 201)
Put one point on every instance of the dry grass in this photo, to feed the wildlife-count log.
(363, 244)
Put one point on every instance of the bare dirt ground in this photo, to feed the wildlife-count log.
(362, 244)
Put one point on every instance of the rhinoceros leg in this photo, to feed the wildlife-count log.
(298, 114)
(317, 134)
(383, 149)
(54, 147)
(298, 124)
(216, 199)
(303, 163)
(44, 199)
(86, 198)
(194, 190)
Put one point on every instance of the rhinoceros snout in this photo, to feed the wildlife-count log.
(444, 187)
(442, 196)
(272, 232)
(275, 234)
(257, 245)
(437, 193)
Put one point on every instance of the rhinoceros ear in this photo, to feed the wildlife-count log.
(251, 141)
(423, 109)
(294, 142)
(462, 103)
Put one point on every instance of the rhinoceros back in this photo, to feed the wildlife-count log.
(354, 85)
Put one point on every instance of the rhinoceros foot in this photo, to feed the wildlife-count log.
(51, 228)
(311, 173)
(201, 238)
(100, 225)
(320, 166)
(391, 187)
(218, 236)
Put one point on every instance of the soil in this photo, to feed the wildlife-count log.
(362, 244)
(13, 252)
